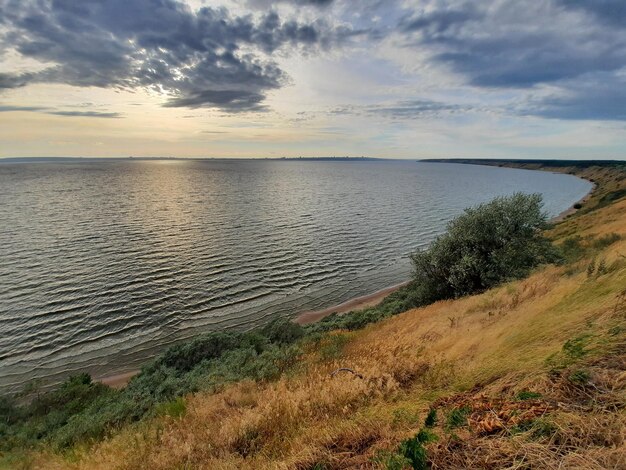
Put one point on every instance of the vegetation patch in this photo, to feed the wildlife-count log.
(485, 415)
(81, 410)
(488, 245)
(610, 197)
(457, 417)
(527, 395)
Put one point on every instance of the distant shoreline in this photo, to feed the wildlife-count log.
(538, 165)
(194, 159)
(531, 164)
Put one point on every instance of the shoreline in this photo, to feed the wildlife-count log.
(357, 303)
(120, 380)
(117, 381)
(535, 165)
(572, 209)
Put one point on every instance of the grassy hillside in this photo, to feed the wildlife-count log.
(531, 374)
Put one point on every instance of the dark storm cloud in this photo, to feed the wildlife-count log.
(55, 112)
(514, 44)
(14, 81)
(609, 11)
(525, 44)
(200, 58)
(440, 21)
(233, 100)
(596, 98)
(270, 3)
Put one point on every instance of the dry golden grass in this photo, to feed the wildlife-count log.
(498, 341)
(485, 347)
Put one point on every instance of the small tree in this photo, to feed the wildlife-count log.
(487, 245)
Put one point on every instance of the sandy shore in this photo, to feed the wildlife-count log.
(563, 215)
(357, 303)
(120, 380)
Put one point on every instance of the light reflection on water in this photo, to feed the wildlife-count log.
(104, 263)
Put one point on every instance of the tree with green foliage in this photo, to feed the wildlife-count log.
(489, 244)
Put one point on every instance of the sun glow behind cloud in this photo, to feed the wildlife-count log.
(253, 78)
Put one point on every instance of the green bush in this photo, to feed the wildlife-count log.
(611, 197)
(431, 418)
(457, 418)
(186, 356)
(332, 347)
(175, 408)
(528, 395)
(572, 248)
(605, 240)
(489, 244)
(47, 413)
(413, 449)
(282, 331)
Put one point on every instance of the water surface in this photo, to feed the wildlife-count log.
(104, 263)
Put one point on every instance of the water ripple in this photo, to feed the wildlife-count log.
(103, 264)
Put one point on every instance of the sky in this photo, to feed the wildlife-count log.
(290, 78)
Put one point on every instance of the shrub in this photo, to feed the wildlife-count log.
(572, 248)
(575, 348)
(457, 418)
(48, 413)
(606, 240)
(80, 410)
(611, 197)
(591, 268)
(399, 301)
(175, 408)
(186, 356)
(431, 418)
(527, 395)
(579, 377)
(332, 347)
(489, 244)
(413, 449)
(274, 362)
(282, 331)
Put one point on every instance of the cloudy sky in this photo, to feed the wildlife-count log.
(380, 78)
